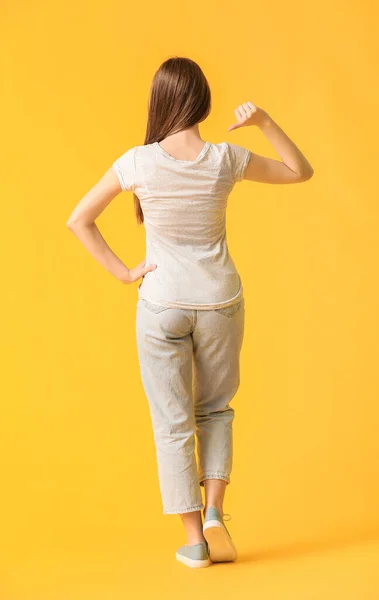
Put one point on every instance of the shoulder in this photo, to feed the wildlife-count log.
(131, 163)
(143, 153)
(233, 151)
(237, 158)
(220, 151)
(137, 150)
(124, 166)
(127, 159)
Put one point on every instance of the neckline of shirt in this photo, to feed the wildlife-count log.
(179, 160)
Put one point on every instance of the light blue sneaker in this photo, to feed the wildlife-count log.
(196, 555)
(220, 544)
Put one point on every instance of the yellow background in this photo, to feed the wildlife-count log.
(81, 513)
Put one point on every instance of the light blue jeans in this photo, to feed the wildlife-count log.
(190, 371)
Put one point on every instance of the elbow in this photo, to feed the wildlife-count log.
(73, 224)
(77, 222)
(70, 225)
(306, 175)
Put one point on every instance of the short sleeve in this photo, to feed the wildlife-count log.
(239, 157)
(124, 167)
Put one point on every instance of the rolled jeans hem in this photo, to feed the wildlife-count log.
(183, 510)
(216, 475)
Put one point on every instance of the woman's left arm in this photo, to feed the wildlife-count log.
(82, 223)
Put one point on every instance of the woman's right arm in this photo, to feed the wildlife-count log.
(294, 167)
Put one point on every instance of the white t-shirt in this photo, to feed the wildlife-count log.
(184, 205)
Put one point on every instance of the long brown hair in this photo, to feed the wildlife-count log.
(179, 98)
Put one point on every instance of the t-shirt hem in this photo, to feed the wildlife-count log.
(194, 306)
(118, 172)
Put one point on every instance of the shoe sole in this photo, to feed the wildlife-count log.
(191, 562)
(221, 546)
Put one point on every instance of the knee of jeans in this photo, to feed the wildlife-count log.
(174, 441)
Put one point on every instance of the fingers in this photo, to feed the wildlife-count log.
(247, 109)
(242, 112)
(148, 269)
(239, 112)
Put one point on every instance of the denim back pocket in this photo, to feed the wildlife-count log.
(231, 310)
(152, 307)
